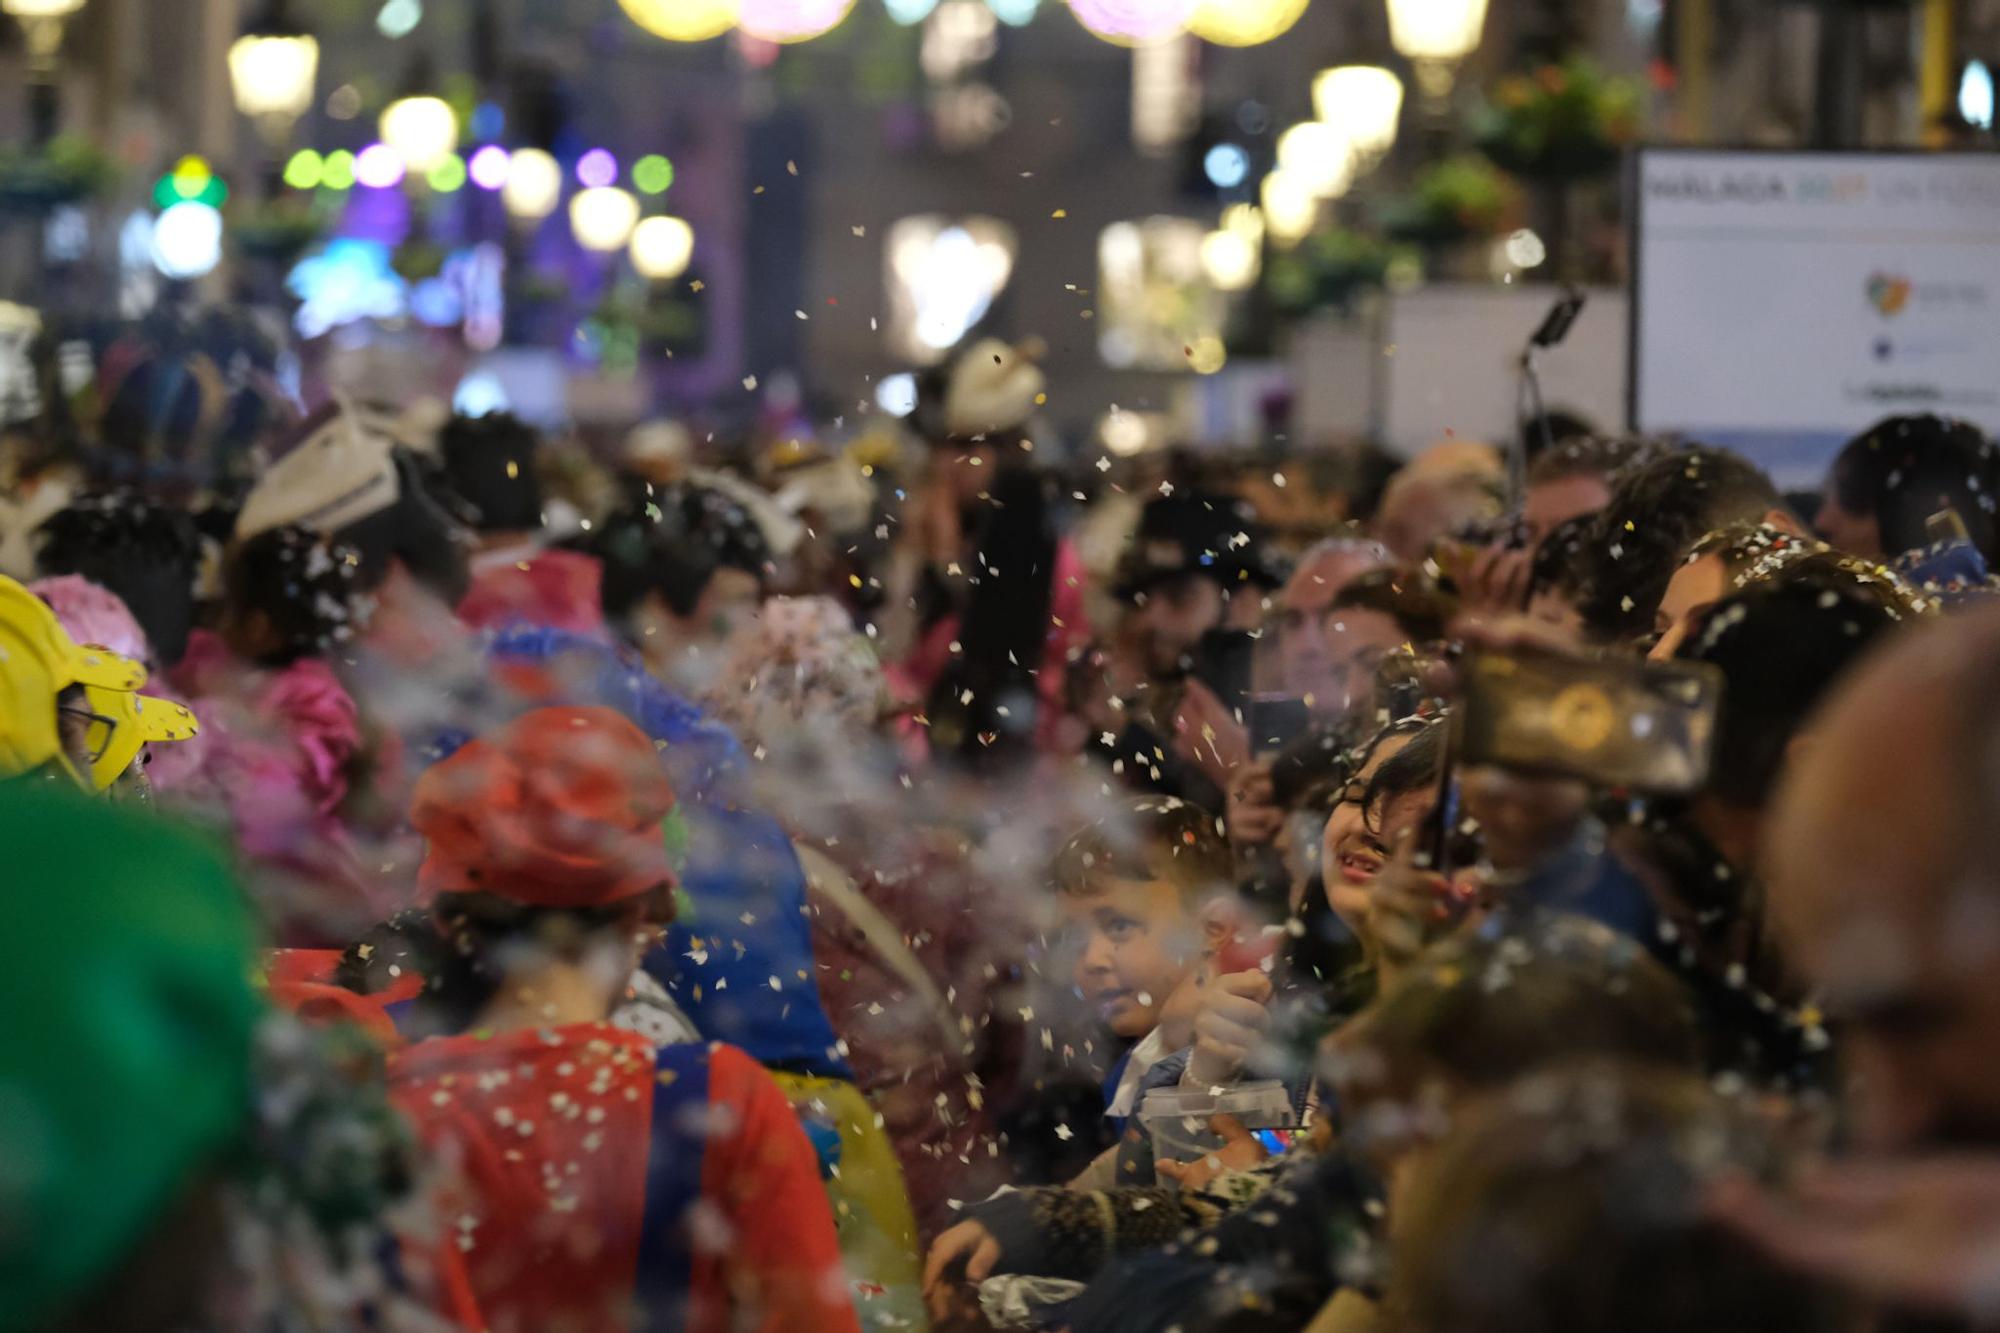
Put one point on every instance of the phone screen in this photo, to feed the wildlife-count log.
(1643, 726)
(1276, 1141)
(1274, 721)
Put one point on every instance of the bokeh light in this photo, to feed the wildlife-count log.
(1227, 165)
(1319, 155)
(662, 248)
(1365, 102)
(1207, 355)
(534, 184)
(422, 130)
(488, 167)
(1290, 206)
(1229, 259)
(378, 166)
(1524, 249)
(1133, 22)
(447, 176)
(897, 394)
(187, 240)
(337, 173)
(596, 169)
(791, 20)
(682, 20)
(1015, 13)
(907, 12)
(305, 170)
(1244, 22)
(603, 217)
(653, 174)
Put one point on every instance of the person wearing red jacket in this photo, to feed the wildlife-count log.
(592, 1181)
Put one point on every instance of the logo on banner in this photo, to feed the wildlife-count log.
(1888, 293)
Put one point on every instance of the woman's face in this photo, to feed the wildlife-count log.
(1857, 534)
(1351, 854)
(1695, 586)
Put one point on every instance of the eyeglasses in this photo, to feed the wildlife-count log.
(97, 730)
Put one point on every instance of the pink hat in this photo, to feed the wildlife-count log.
(91, 613)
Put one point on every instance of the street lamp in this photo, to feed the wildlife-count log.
(1364, 102)
(272, 67)
(1435, 35)
(42, 24)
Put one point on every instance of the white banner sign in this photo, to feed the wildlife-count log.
(1784, 301)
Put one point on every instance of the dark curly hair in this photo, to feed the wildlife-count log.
(1660, 507)
(491, 462)
(147, 553)
(1901, 470)
(672, 543)
(301, 584)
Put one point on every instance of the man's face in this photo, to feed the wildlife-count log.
(1858, 534)
(1172, 619)
(1551, 503)
(1139, 944)
(1303, 607)
(729, 602)
(1873, 901)
(1356, 642)
(1694, 588)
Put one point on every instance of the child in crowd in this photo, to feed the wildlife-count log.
(1148, 893)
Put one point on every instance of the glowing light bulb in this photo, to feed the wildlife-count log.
(662, 248)
(1244, 22)
(533, 186)
(682, 20)
(603, 217)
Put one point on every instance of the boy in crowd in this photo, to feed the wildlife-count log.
(1149, 894)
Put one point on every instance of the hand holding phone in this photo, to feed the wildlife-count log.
(1615, 723)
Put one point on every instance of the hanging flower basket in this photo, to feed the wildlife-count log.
(1328, 270)
(279, 232)
(1561, 123)
(68, 171)
(1460, 199)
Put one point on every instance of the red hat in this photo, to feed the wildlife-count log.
(561, 808)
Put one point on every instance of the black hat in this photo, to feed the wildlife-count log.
(1200, 534)
(490, 460)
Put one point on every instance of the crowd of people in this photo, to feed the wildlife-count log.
(463, 876)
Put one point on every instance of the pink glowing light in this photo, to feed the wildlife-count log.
(597, 169)
(791, 20)
(1133, 22)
